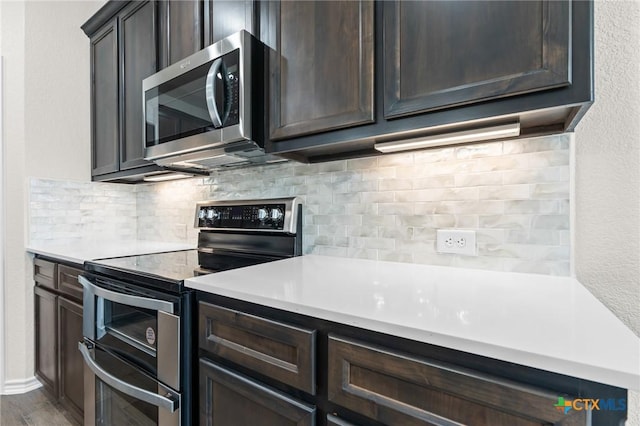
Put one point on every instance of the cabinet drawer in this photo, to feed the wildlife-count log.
(398, 389)
(44, 273)
(68, 281)
(228, 398)
(277, 350)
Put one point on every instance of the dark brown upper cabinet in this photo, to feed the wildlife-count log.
(181, 30)
(225, 17)
(189, 26)
(440, 66)
(321, 65)
(104, 101)
(439, 54)
(137, 62)
(123, 52)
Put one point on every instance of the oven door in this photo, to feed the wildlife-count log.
(118, 393)
(139, 325)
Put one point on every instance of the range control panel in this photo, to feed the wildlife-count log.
(270, 215)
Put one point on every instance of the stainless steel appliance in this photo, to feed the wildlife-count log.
(138, 317)
(207, 111)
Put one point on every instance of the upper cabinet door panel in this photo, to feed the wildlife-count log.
(181, 30)
(321, 67)
(104, 101)
(138, 61)
(444, 53)
(226, 17)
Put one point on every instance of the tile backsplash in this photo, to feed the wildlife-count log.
(63, 210)
(515, 194)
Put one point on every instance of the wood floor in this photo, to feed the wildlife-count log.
(33, 409)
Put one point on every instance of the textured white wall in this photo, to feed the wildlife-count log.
(607, 204)
(46, 133)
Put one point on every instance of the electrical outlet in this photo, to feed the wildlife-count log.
(457, 241)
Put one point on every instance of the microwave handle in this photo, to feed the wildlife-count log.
(126, 299)
(152, 398)
(211, 93)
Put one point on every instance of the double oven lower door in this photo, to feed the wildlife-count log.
(131, 350)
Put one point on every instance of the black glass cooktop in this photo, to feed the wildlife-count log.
(169, 270)
(176, 265)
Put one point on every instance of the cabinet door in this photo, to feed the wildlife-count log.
(227, 398)
(71, 363)
(138, 52)
(46, 318)
(225, 17)
(105, 137)
(181, 30)
(394, 388)
(321, 66)
(443, 53)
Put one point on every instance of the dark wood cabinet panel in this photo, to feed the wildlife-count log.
(321, 66)
(44, 273)
(226, 17)
(138, 53)
(123, 45)
(274, 349)
(440, 54)
(397, 389)
(58, 329)
(68, 283)
(104, 101)
(46, 344)
(181, 30)
(228, 398)
(71, 363)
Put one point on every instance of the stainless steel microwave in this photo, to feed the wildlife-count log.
(207, 111)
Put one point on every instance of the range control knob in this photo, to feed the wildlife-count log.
(262, 214)
(212, 214)
(276, 214)
(202, 214)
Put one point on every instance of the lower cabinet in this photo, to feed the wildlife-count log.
(228, 398)
(393, 388)
(71, 363)
(365, 378)
(46, 342)
(58, 329)
(274, 350)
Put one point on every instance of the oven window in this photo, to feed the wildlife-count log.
(130, 332)
(116, 408)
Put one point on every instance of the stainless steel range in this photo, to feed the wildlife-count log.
(138, 343)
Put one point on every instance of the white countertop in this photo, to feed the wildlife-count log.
(77, 251)
(545, 322)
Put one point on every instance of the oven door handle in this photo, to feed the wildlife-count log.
(166, 402)
(126, 299)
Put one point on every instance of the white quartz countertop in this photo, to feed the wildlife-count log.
(545, 322)
(77, 251)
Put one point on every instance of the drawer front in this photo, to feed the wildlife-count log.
(393, 388)
(68, 282)
(229, 398)
(44, 273)
(274, 349)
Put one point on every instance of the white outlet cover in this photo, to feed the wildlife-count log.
(464, 241)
